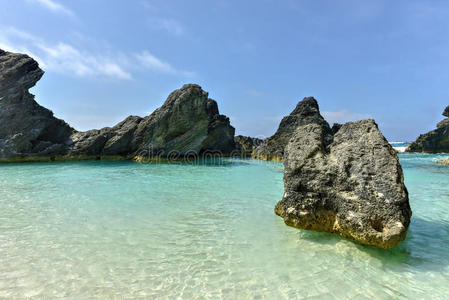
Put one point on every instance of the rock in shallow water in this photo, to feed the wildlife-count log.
(350, 184)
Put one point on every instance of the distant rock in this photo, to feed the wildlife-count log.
(26, 128)
(187, 124)
(350, 183)
(306, 112)
(245, 145)
(435, 141)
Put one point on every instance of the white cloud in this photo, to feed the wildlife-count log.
(343, 116)
(151, 62)
(68, 59)
(54, 6)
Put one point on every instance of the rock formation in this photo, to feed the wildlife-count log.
(350, 183)
(26, 128)
(245, 145)
(306, 112)
(436, 141)
(188, 123)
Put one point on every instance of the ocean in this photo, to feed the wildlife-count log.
(202, 230)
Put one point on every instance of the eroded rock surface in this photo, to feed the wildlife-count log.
(435, 141)
(306, 112)
(350, 183)
(188, 123)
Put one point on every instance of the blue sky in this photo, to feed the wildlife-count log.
(105, 60)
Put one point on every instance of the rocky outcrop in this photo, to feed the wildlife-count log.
(245, 145)
(26, 128)
(350, 183)
(187, 124)
(436, 141)
(306, 112)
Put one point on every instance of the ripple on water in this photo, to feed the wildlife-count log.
(126, 230)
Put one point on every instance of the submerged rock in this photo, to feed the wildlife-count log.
(306, 112)
(350, 183)
(443, 162)
(435, 141)
(187, 124)
(245, 145)
(26, 128)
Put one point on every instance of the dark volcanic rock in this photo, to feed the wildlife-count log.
(26, 128)
(188, 123)
(350, 184)
(245, 145)
(306, 112)
(435, 141)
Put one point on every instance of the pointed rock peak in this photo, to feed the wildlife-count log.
(306, 106)
(446, 112)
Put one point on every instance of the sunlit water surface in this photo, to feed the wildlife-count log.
(126, 230)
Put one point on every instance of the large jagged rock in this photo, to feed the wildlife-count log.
(188, 123)
(26, 128)
(350, 184)
(245, 145)
(435, 141)
(306, 112)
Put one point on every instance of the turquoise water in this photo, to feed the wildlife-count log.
(127, 230)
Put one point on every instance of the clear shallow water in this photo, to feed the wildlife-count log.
(127, 230)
